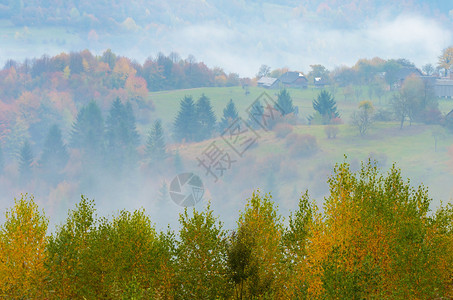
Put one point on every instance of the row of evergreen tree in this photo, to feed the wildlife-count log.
(196, 121)
(111, 144)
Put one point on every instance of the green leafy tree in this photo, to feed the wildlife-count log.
(239, 260)
(201, 257)
(391, 68)
(285, 102)
(295, 244)
(68, 254)
(206, 118)
(109, 58)
(318, 71)
(25, 162)
(263, 235)
(230, 114)
(155, 146)
(409, 101)
(55, 155)
(326, 106)
(186, 123)
(130, 267)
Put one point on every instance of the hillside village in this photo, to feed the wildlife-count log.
(442, 85)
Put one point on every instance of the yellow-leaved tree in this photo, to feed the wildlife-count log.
(23, 251)
(376, 239)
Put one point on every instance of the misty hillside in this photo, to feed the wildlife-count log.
(109, 16)
(119, 131)
(236, 35)
(226, 149)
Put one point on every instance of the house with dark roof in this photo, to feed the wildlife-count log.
(293, 80)
(267, 82)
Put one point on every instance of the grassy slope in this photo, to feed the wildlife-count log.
(412, 148)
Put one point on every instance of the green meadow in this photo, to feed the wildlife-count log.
(412, 148)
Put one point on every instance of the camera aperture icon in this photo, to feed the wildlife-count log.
(186, 189)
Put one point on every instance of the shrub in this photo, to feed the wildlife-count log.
(383, 115)
(336, 121)
(303, 145)
(431, 116)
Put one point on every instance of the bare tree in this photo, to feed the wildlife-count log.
(363, 118)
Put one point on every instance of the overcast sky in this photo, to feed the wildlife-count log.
(280, 41)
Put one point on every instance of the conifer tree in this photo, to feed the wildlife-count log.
(155, 146)
(326, 106)
(206, 118)
(186, 123)
(55, 155)
(285, 102)
(256, 114)
(88, 131)
(25, 161)
(133, 136)
(230, 113)
(122, 136)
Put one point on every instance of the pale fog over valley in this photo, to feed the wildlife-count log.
(226, 149)
(65, 66)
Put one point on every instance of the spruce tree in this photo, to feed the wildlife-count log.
(88, 131)
(186, 123)
(230, 113)
(155, 146)
(285, 102)
(326, 106)
(256, 114)
(121, 136)
(25, 162)
(55, 155)
(133, 136)
(206, 118)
